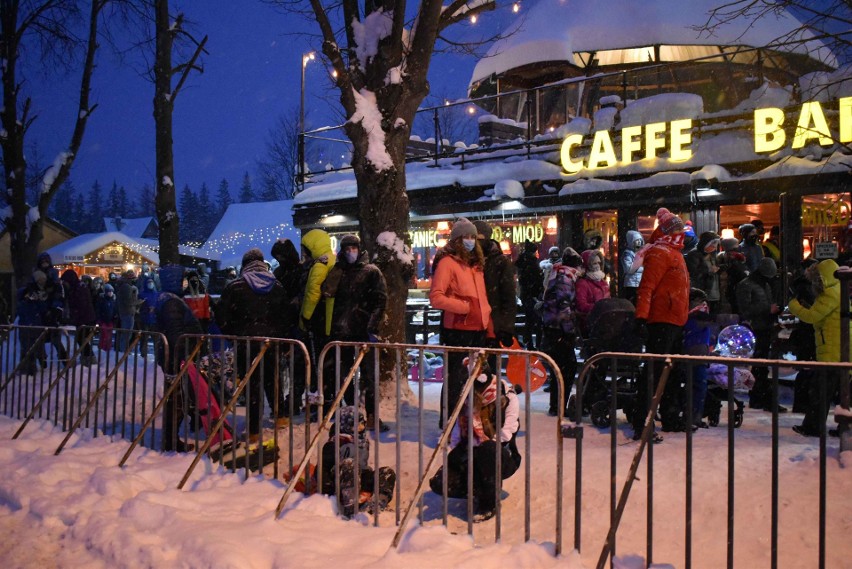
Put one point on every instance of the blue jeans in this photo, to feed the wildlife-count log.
(124, 337)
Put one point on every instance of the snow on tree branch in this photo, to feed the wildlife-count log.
(50, 176)
(367, 113)
(367, 34)
(391, 241)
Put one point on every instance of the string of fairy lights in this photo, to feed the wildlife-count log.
(230, 242)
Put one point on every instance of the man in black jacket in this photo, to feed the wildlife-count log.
(289, 273)
(530, 281)
(360, 299)
(499, 288)
(253, 305)
(173, 319)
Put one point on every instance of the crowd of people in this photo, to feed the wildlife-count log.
(680, 284)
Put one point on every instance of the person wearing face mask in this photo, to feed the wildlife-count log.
(106, 310)
(458, 288)
(591, 287)
(750, 246)
(148, 273)
(359, 293)
(632, 276)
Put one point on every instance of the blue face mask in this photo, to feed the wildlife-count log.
(351, 256)
(469, 244)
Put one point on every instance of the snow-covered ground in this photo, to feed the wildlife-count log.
(79, 509)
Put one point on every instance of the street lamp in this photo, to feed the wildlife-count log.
(307, 57)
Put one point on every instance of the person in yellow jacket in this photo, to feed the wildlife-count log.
(316, 310)
(824, 316)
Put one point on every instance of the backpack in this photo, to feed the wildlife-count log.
(557, 306)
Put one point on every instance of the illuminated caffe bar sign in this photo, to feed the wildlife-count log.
(645, 142)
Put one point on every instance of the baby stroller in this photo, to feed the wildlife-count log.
(610, 329)
(734, 342)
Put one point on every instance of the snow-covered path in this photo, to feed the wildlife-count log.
(79, 509)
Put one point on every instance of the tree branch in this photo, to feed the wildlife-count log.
(189, 66)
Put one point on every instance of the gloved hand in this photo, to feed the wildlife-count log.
(506, 338)
(303, 323)
(640, 328)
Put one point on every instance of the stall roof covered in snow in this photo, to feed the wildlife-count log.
(555, 30)
(135, 227)
(247, 225)
(87, 243)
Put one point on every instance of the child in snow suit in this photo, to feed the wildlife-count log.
(354, 445)
(697, 341)
(106, 312)
(486, 443)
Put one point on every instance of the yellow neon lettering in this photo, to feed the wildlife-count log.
(631, 142)
(768, 134)
(681, 139)
(568, 164)
(845, 120)
(812, 124)
(653, 140)
(602, 150)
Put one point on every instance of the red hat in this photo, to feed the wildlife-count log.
(668, 222)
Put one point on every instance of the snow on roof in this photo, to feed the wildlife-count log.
(82, 245)
(247, 225)
(134, 227)
(553, 30)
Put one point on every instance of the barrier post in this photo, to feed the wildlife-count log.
(844, 275)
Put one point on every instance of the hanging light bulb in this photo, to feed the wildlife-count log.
(516, 7)
(471, 109)
(727, 233)
(473, 19)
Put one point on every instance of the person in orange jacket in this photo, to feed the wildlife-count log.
(662, 307)
(458, 288)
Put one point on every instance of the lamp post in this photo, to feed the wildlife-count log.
(310, 56)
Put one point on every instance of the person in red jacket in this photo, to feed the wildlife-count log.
(458, 288)
(662, 307)
(591, 287)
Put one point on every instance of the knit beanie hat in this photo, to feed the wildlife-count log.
(553, 252)
(462, 227)
(349, 241)
(482, 228)
(530, 247)
(729, 244)
(767, 268)
(668, 222)
(253, 254)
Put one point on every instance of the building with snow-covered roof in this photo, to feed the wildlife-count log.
(247, 225)
(137, 227)
(99, 254)
(609, 114)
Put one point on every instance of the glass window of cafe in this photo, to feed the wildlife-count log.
(825, 218)
(427, 238)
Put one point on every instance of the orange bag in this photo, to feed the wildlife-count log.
(516, 369)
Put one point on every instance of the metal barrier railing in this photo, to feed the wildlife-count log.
(344, 359)
(611, 368)
(214, 374)
(56, 373)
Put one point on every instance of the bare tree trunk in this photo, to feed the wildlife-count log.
(167, 215)
(50, 23)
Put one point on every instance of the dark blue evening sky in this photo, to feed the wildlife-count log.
(222, 117)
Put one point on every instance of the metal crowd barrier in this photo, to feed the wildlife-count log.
(212, 393)
(344, 360)
(79, 377)
(614, 366)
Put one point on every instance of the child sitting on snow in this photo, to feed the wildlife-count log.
(485, 443)
(349, 437)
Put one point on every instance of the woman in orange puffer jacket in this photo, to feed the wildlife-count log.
(458, 288)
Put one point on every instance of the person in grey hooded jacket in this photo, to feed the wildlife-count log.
(632, 277)
(253, 305)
